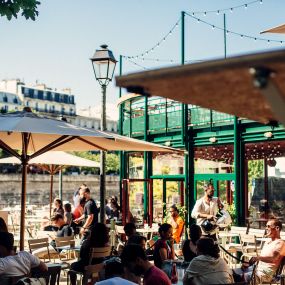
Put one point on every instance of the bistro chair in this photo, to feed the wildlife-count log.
(40, 247)
(65, 247)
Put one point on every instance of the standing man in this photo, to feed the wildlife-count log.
(176, 222)
(90, 212)
(206, 208)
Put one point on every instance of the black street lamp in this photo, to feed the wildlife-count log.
(104, 63)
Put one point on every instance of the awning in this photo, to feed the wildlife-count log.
(276, 30)
(248, 86)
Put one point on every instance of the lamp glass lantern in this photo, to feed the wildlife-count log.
(104, 63)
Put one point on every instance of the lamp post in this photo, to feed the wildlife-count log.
(104, 63)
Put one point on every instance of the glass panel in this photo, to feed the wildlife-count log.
(214, 159)
(168, 164)
(173, 193)
(136, 165)
(157, 200)
(136, 200)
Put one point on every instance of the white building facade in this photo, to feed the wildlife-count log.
(15, 95)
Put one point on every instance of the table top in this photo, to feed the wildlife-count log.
(147, 230)
(229, 234)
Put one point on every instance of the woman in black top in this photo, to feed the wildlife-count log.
(189, 246)
(99, 238)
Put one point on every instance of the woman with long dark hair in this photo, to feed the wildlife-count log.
(163, 248)
(189, 248)
(58, 207)
(99, 237)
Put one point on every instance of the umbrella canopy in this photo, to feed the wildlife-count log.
(35, 135)
(276, 30)
(52, 162)
(249, 86)
(54, 158)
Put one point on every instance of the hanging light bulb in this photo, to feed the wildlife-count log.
(245, 6)
(232, 10)
(261, 1)
(170, 33)
(213, 27)
(198, 21)
(241, 36)
(227, 32)
(205, 14)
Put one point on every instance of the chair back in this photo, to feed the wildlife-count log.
(65, 241)
(37, 243)
(92, 272)
(99, 252)
(9, 280)
(238, 230)
(120, 229)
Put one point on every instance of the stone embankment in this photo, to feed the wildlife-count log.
(38, 187)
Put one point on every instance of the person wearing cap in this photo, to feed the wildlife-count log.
(16, 264)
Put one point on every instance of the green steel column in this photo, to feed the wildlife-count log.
(146, 160)
(237, 170)
(60, 184)
(225, 37)
(120, 130)
(164, 196)
(183, 120)
(243, 181)
(191, 197)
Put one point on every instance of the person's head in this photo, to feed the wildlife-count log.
(99, 235)
(82, 202)
(3, 225)
(84, 193)
(209, 191)
(67, 207)
(207, 246)
(165, 231)
(6, 244)
(273, 228)
(130, 229)
(195, 233)
(57, 220)
(174, 211)
(113, 268)
(134, 258)
(114, 198)
(82, 186)
(57, 203)
(139, 240)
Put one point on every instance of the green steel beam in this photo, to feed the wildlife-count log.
(191, 197)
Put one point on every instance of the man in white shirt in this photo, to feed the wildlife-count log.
(206, 208)
(16, 264)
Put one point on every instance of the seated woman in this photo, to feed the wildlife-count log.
(189, 248)
(99, 237)
(163, 248)
(208, 267)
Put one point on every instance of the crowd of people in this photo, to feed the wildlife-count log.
(133, 264)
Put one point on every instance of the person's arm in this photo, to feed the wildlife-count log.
(196, 212)
(163, 254)
(88, 221)
(173, 223)
(42, 266)
(79, 219)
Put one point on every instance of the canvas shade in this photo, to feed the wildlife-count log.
(276, 30)
(226, 85)
(52, 162)
(34, 135)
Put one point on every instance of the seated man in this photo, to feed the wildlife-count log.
(269, 259)
(16, 264)
(130, 229)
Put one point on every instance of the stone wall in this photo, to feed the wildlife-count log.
(38, 187)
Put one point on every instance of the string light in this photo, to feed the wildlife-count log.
(245, 6)
(156, 45)
(234, 33)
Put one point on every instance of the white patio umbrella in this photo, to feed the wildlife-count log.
(34, 135)
(52, 162)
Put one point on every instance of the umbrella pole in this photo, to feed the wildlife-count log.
(23, 204)
(50, 192)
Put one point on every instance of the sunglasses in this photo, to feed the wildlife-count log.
(270, 226)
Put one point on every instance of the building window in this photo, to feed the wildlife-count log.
(46, 108)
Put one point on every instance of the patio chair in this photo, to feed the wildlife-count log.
(40, 247)
(249, 246)
(65, 246)
(92, 272)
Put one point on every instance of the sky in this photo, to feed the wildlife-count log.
(56, 48)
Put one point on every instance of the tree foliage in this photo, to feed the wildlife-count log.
(27, 8)
(112, 160)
